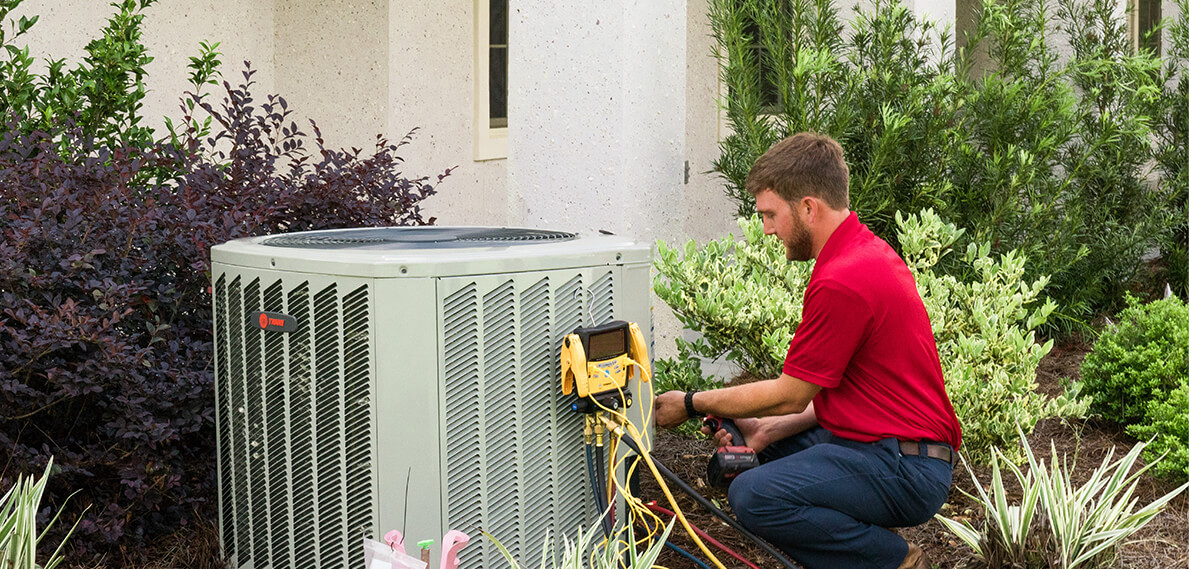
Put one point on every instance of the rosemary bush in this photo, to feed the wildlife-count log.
(1048, 156)
(1172, 135)
(744, 299)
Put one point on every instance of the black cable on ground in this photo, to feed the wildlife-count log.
(702, 501)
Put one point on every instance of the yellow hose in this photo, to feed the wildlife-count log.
(618, 430)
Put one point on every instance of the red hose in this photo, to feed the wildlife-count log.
(657, 508)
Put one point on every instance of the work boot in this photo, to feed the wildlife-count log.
(915, 559)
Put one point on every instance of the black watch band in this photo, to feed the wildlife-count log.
(689, 405)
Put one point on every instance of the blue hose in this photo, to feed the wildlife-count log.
(687, 555)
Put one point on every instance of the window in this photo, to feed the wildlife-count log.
(1144, 17)
(491, 79)
(769, 90)
(754, 70)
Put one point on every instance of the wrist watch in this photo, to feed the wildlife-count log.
(689, 405)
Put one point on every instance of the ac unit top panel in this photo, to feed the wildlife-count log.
(410, 252)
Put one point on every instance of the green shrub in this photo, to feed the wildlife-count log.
(1142, 358)
(682, 372)
(1045, 155)
(1172, 132)
(985, 333)
(745, 300)
(788, 69)
(1138, 375)
(1167, 426)
(103, 94)
(1056, 523)
(743, 297)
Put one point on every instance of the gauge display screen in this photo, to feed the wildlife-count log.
(607, 345)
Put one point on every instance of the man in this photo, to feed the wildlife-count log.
(857, 435)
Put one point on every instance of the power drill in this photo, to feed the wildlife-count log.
(728, 461)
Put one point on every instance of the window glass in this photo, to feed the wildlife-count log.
(498, 64)
(1147, 20)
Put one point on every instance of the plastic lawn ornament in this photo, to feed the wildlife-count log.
(378, 555)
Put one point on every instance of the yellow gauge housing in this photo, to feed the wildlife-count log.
(599, 359)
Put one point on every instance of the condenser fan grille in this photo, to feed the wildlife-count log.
(416, 238)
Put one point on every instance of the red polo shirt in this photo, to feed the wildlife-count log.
(866, 339)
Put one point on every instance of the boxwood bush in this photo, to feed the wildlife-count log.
(1167, 425)
(1138, 375)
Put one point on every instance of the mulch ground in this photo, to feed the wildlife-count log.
(1162, 544)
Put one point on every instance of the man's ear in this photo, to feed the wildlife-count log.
(808, 207)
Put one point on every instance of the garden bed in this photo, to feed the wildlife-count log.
(1162, 544)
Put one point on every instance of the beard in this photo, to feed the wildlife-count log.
(799, 246)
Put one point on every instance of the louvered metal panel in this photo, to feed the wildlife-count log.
(238, 417)
(317, 425)
(295, 420)
(301, 425)
(572, 309)
(357, 402)
(602, 304)
(223, 408)
(516, 468)
(328, 428)
(537, 357)
(276, 439)
(464, 474)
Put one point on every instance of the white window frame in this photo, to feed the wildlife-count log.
(1133, 24)
(490, 143)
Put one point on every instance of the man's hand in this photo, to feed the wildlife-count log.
(754, 431)
(669, 409)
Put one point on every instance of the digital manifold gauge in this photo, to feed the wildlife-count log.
(598, 361)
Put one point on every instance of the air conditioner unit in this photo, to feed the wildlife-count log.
(406, 378)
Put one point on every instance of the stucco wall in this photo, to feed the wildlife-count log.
(709, 213)
(431, 74)
(597, 121)
(172, 32)
(331, 65)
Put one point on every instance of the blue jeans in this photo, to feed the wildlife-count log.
(827, 501)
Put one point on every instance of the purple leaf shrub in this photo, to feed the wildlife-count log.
(105, 316)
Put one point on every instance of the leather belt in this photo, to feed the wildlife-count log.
(931, 450)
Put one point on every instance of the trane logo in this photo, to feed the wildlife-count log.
(275, 321)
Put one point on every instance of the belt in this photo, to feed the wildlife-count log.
(932, 450)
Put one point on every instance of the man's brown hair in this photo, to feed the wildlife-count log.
(805, 164)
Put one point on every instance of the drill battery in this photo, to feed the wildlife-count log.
(728, 461)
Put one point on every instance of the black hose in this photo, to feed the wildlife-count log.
(600, 506)
(605, 511)
(709, 506)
